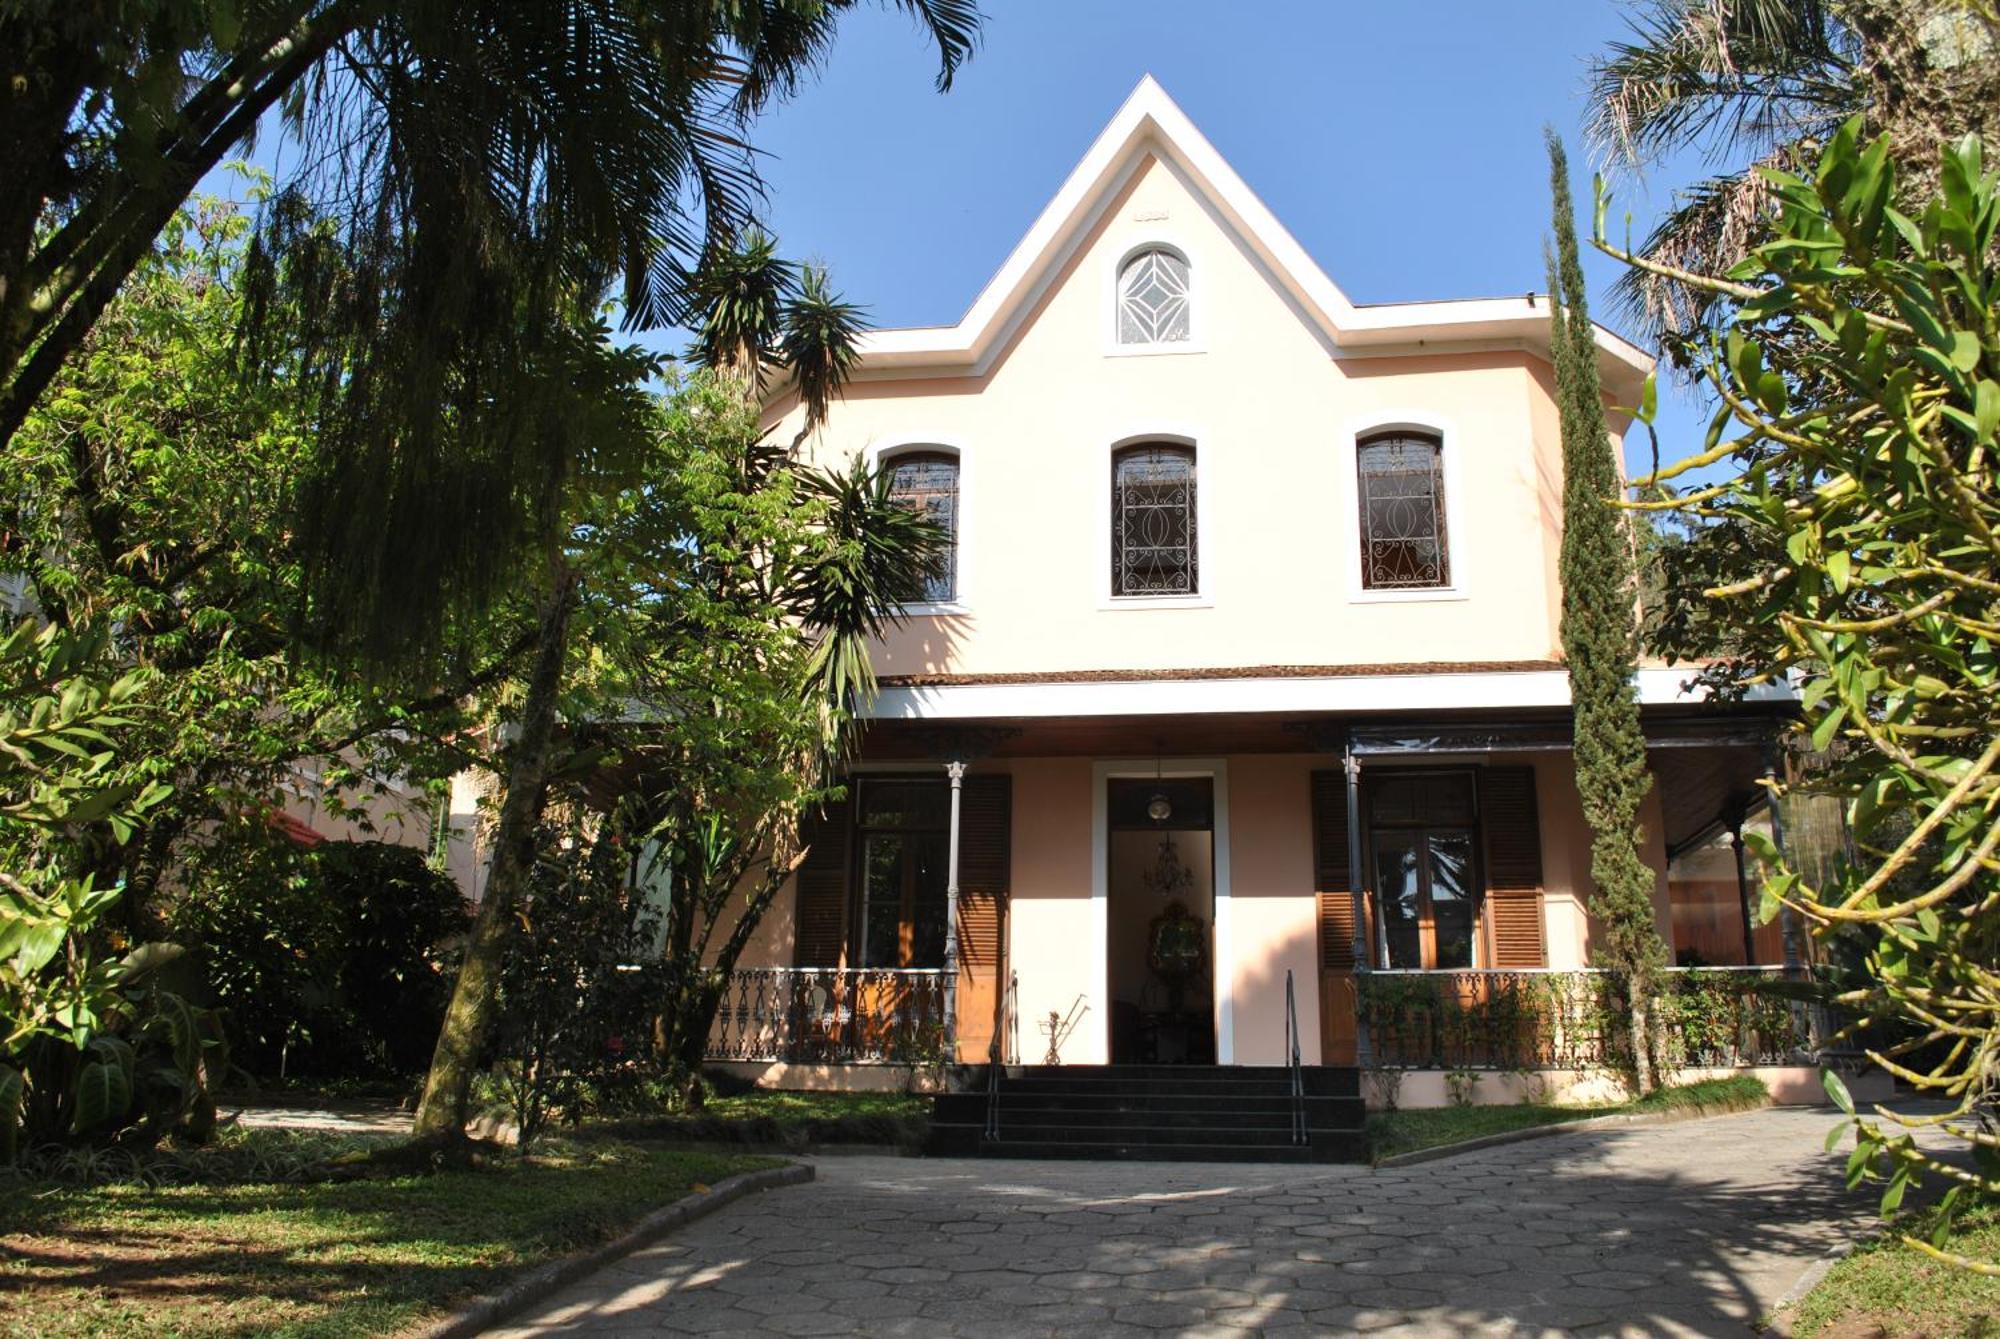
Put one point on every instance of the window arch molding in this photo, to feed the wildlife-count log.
(1451, 443)
(1137, 245)
(1186, 437)
(885, 454)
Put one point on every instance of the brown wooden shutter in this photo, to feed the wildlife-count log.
(985, 859)
(1331, 871)
(820, 935)
(1513, 865)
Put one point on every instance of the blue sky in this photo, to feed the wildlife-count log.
(1400, 143)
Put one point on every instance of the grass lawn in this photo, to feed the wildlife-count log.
(1885, 1290)
(1393, 1132)
(763, 1118)
(327, 1258)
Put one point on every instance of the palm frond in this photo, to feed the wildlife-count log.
(1722, 74)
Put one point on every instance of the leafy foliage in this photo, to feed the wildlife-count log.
(90, 1046)
(576, 994)
(1860, 376)
(326, 961)
(1599, 640)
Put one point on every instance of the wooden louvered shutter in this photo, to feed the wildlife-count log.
(820, 935)
(1331, 871)
(985, 857)
(1513, 865)
(1335, 889)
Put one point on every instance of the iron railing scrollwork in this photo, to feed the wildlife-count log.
(1539, 1019)
(1403, 539)
(828, 1015)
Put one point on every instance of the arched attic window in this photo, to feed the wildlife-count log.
(1153, 520)
(1404, 542)
(926, 478)
(1153, 298)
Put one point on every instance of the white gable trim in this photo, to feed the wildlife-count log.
(1150, 124)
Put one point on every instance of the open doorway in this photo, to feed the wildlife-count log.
(1161, 913)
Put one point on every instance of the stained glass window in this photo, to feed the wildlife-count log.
(1402, 512)
(1153, 521)
(1153, 299)
(928, 481)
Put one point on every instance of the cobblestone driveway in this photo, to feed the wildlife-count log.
(1677, 1229)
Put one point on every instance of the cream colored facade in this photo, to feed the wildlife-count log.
(1263, 675)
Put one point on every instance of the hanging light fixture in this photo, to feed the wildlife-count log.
(1159, 808)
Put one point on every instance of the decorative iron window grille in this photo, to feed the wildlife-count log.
(1403, 540)
(1153, 521)
(1153, 299)
(928, 481)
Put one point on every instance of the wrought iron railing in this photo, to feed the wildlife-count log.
(828, 1015)
(1292, 1069)
(1548, 1019)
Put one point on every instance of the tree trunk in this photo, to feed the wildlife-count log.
(469, 1019)
(1642, 1039)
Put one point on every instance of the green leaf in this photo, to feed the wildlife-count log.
(1649, 399)
(103, 1095)
(1836, 1134)
(1836, 1092)
(1839, 569)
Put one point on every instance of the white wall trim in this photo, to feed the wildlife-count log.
(1347, 453)
(962, 587)
(1223, 965)
(1196, 439)
(1399, 693)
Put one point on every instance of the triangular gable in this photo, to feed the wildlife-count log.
(1149, 123)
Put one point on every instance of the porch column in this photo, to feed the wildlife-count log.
(955, 769)
(1355, 865)
(1743, 894)
(1788, 919)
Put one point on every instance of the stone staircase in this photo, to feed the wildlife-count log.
(1163, 1113)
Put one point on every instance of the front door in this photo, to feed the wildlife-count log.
(1161, 914)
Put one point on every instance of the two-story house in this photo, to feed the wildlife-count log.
(1246, 666)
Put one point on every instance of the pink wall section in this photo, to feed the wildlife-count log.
(1054, 939)
(1274, 924)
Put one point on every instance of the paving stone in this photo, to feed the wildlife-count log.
(1691, 1229)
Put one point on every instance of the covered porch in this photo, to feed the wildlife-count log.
(994, 887)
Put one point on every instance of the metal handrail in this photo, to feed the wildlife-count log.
(1292, 1052)
(996, 1054)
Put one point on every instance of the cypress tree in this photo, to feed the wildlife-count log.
(1600, 641)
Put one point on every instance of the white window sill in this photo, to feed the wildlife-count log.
(946, 609)
(1152, 350)
(1421, 595)
(1127, 602)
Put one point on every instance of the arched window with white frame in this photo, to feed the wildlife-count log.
(1401, 495)
(1153, 298)
(926, 478)
(1153, 539)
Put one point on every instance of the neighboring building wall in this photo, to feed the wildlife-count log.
(1273, 414)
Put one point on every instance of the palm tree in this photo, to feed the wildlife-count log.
(1769, 81)
(1731, 77)
(472, 161)
(764, 318)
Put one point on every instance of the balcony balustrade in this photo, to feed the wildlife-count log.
(1549, 1019)
(828, 1015)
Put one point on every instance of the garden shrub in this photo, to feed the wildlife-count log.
(580, 992)
(327, 962)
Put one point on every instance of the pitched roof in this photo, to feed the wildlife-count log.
(1150, 124)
